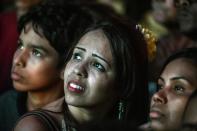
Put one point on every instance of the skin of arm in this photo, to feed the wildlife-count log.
(31, 123)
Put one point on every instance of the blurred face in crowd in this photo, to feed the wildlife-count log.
(190, 116)
(187, 12)
(35, 63)
(89, 76)
(164, 10)
(176, 83)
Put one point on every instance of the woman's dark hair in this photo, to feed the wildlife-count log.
(50, 20)
(193, 95)
(129, 50)
(187, 53)
(189, 126)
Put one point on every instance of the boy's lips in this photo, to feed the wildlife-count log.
(16, 76)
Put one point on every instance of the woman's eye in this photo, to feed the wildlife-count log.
(159, 87)
(99, 66)
(36, 53)
(179, 88)
(76, 56)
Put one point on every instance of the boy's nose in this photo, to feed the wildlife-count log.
(20, 58)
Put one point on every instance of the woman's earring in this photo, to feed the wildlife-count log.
(120, 110)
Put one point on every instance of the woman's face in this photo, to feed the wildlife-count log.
(89, 77)
(176, 83)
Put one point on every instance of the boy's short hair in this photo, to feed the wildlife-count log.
(49, 20)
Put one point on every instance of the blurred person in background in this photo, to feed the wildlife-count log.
(187, 11)
(161, 18)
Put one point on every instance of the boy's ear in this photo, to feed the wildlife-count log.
(62, 75)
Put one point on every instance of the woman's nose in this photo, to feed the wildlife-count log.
(160, 97)
(81, 70)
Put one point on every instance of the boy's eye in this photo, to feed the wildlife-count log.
(20, 45)
(76, 56)
(99, 66)
(36, 53)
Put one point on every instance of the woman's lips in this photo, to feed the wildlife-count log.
(74, 86)
(155, 114)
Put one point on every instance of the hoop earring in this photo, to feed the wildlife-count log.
(120, 110)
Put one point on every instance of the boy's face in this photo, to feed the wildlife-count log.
(35, 63)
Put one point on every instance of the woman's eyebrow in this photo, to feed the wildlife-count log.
(181, 77)
(80, 48)
(95, 55)
(160, 78)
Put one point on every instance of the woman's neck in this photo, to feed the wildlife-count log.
(84, 115)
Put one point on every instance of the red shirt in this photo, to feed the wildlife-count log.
(8, 45)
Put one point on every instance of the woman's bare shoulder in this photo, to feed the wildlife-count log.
(30, 123)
